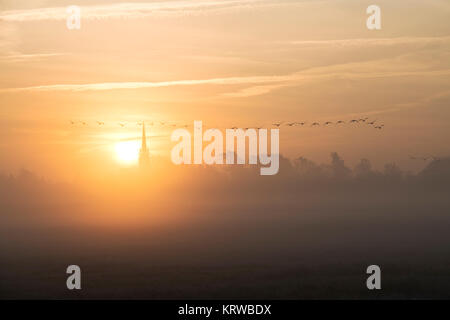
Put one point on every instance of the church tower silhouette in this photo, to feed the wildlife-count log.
(144, 157)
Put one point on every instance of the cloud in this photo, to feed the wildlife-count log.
(362, 42)
(254, 91)
(344, 71)
(136, 10)
(19, 57)
(140, 85)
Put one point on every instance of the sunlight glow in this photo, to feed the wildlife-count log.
(127, 152)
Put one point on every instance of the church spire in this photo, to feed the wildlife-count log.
(144, 137)
(144, 157)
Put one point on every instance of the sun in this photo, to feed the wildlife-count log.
(127, 152)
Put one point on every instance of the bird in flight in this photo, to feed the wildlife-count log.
(301, 123)
(315, 124)
(371, 122)
(353, 121)
(72, 122)
(100, 123)
(340, 121)
(327, 123)
(83, 123)
(277, 124)
(122, 125)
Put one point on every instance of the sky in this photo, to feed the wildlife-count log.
(245, 63)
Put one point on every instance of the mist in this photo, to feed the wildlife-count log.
(228, 232)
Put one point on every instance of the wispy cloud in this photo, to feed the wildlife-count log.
(282, 80)
(19, 57)
(140, 85)
(137, 10)
(361, 42)
(254, 91)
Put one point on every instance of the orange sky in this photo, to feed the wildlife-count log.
(228, 63)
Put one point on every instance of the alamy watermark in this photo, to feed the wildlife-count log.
(214, 153)
(374, 20)
(74, 280)
(374, 280)
(73, 21)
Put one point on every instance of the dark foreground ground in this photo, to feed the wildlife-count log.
(115, 281)
(309, 256)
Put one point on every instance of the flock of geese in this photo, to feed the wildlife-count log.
(123, 125)
(329, 123)
(424, 158)
(372, 123)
